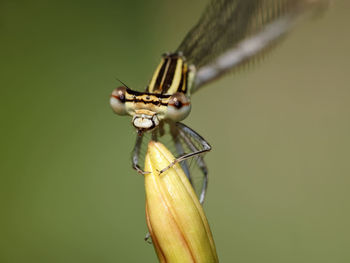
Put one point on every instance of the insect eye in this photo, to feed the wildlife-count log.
(179, 106)
(117, 100)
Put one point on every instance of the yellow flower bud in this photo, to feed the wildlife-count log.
(179, 229)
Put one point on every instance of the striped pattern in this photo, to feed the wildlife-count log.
(146, 98)
(170, 76)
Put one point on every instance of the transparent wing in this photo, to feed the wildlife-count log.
(233, 31)
(191, 147)
(181, 141)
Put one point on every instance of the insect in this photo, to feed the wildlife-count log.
(228, 34)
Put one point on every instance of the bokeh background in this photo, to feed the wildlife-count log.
(279, 168)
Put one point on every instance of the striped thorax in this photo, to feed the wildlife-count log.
(166, 97)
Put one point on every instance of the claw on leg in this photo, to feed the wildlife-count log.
(148, 238)
(140, 171)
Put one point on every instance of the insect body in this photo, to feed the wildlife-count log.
(228, 34)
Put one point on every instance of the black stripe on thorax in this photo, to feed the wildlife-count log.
(169, 75)
(157, 85)
(166, 73)
(183, 81)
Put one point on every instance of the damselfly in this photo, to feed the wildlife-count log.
(228, 34)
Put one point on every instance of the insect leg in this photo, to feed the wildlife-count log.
(136, 154)
(180, 151)
(187, 134)
(200, 163)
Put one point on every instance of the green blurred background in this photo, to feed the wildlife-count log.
(279, 168)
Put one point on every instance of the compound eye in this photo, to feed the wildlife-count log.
(179, 106)
(117, 100)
